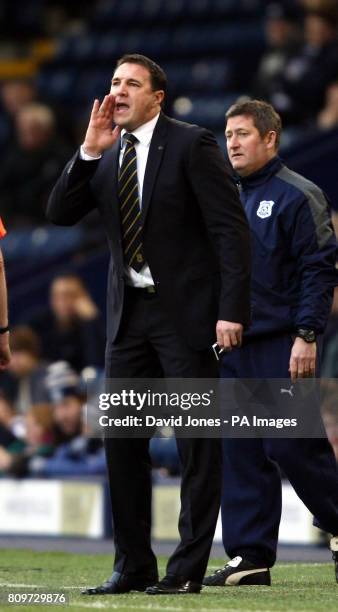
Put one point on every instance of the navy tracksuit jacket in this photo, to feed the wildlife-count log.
(293, 275)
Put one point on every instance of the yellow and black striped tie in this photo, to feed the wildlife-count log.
(130, 206)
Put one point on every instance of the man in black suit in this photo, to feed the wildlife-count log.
(178, 280)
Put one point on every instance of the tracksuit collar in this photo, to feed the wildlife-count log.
(261, 176)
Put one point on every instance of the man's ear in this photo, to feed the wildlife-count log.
(270, 139)
(159, 96)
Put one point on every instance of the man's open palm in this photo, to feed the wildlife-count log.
(100, 133)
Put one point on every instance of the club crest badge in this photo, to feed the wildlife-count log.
(264, 209)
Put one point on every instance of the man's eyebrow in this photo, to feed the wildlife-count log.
(129, 80)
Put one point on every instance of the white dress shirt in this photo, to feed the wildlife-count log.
(144, 135)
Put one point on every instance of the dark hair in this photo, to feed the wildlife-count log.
(68, 276)
(158, 77)
(264, 116)
(43, 415)
(23, 338)
(5, 398)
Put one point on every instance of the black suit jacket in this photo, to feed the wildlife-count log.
(195, 233)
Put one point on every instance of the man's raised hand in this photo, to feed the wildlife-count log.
(100, 133)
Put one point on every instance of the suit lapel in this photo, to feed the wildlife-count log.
(108, 182)
(155, 155)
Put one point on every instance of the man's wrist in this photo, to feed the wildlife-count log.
(88, 152)
(308, 335)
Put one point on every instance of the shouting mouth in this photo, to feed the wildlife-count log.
(121, 107)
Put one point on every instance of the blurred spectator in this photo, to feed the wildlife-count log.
(5, 351)
(9, 442)
(328, 116)
(9, 418)
(319, 5)
(11, 430)
(284, 40)
(14, 95)
(300, 93)
(17, 93)
(335, 222)
(24, 380)
(76, 454)
(330, 419)
(67, 395)
(39, 442)
(31, 166)
(164, 455)
(72, 329)
(330, 353)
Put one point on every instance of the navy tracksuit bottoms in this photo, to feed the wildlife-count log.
(251, 497)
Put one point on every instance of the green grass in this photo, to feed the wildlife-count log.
(296, 587)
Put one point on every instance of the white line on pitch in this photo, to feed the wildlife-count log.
(39, 586)
(152, 607)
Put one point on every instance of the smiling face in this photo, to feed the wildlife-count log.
(248, 151)
(135, 101)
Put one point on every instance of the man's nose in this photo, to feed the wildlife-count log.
(233, 142)
(119, 90)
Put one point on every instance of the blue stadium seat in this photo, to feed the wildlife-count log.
(106, 13)
(207, 111)
(221, 140)
(76, 48)
(241, 9)
(92, 84)
(212, 38)
(187, 40)
(58, 84)
(204, 75)
(174, 10)
(107, 46)
(4, 128)
(41, 243)
(111, 13)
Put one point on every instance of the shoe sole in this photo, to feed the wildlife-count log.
(253, 579)
(140, 589)
(256, 579)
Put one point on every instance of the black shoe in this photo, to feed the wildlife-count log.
(174, 585)
(334, 548)
(238, 572)
(121, 583)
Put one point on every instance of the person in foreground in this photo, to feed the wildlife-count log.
(293, 275)
(178, 280)
(5, 354)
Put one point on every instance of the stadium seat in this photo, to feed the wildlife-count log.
(207, 111)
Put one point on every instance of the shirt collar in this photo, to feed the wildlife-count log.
(144, 132)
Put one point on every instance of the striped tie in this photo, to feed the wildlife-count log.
(130, 206)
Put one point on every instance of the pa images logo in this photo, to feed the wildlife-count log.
(264, 209)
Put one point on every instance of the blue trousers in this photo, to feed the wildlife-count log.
(251, 496)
